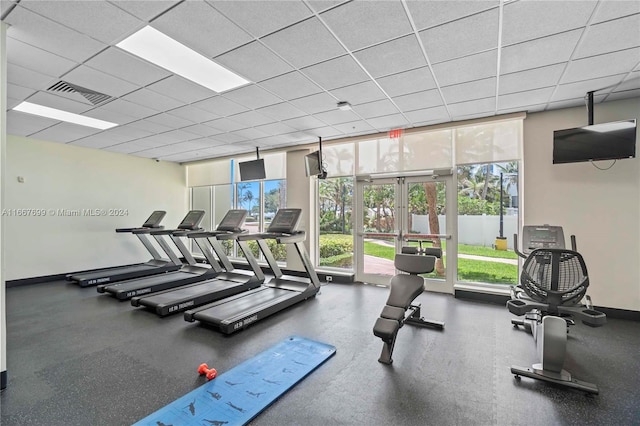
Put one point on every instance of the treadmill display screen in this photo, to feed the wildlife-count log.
(192, 220)
(155, 219)
(285, 221)
(233, 220)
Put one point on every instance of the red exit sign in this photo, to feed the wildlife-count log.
(395, 133)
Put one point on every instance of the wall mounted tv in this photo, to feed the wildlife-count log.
(252, 170)
(608, 141)
(313, 164)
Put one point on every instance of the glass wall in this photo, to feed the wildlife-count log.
(336, 223)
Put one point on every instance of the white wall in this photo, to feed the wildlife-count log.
(58, 176)
(600, 207)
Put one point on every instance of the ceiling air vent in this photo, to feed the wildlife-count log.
(92, 96)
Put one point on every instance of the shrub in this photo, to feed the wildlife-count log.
(335, 245)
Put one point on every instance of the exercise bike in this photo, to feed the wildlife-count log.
(405, 287)
(553, 285)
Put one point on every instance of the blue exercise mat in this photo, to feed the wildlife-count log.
(240, 394)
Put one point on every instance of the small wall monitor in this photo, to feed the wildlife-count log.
(313, 164)
(285, 221)
(608, 141)
(252, 170)
(233, 220)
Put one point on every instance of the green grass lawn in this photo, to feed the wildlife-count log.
(469, 270)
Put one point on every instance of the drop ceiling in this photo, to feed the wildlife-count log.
(400, 64)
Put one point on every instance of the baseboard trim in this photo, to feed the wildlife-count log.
(497, 299)
(3, 379)
(616, 313)
(35, 280)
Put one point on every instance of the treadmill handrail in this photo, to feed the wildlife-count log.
(176, 232)
(214, 233)
(271, 235)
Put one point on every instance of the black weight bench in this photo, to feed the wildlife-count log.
(404, 289)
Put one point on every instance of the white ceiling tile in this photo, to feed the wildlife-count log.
(260, 18)
(64, 132)
(575, 90)
(252, 96)
(540, 52)
(569, 103)
(229, 138)
(98, 81)
(58, 102)
(408, 82)
(472, 107)
(125, 66)
(615, 9)
(359, 93)
(108, 115)
(157, 140)
(226, 124)
(145, 9)
(281, 111)
(469, 91)
(526, 108)
(337, 116)
(21, 124)
(36, 30)
(124, 148)
(527, 20)
(208, 31)
(313, 43)
(27, 78)
(12, 103)
(429, 115)
(129, 108)
(335, 73)
(363, 23)
(602, 65)
(418, 100)
(126, 133)
(315, 103)
(97, 141)
(392, 57)
(322, 5)
(275, 129)
(376, 109)
(626, 94)
(632, 81)
(251, 118)
(172, 121)
(201, 130)
(29, 57)
(462, 37)
(354, 127)
(530, 97)
(18, 92)
(183, 90)
(152, 100)
(469, 68)
(150, 127)
(250, 133)
(304, 123)
(220, 106)
(396, 121)
(88, 17)
(192, 114)
(243, 61)
(531, 79)
(613, 35)
(291, 86)
(428, 14)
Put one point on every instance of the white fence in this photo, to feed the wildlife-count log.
(473, 230)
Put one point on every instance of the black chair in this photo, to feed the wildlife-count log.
(553, 283)
(404, 289)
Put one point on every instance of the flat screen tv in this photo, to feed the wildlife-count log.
(608, 141)
(252, 170)
(313, 164)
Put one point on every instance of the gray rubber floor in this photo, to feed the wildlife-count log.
(76, 357)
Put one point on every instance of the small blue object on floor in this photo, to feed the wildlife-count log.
(240, 394)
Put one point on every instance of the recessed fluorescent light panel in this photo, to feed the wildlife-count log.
(57, 114)
(160, 49)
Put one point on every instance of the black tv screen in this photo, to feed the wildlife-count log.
(313, 164)
(252, 170)
(608, 141)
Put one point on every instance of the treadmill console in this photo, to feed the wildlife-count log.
(155, 219)
(192, 220)
(545, 236)
(233, 221)
(285, 221)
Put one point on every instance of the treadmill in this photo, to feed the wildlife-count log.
(188, 274)
(228, 283)
(237, 312)
(157, 265)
